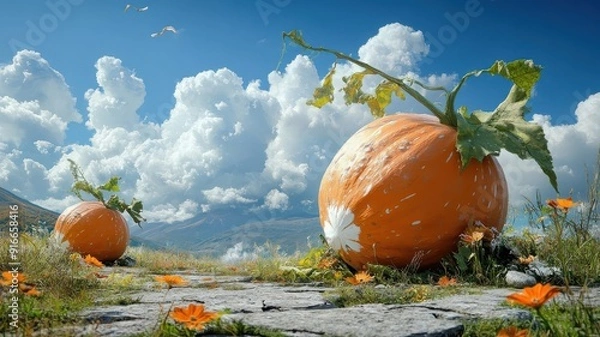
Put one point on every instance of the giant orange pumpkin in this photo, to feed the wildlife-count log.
(404, 187)
(89, 227)
(395, 192)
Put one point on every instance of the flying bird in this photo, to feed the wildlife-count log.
(139, 9)
(164, 30)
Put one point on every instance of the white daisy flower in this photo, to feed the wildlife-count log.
(340, 230)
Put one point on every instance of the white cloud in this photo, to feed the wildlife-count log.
(30, 78)
(119, 97)
(396, 49)
(24, 122)
(219, 195)
(239, 253)
(35, 107)
(276, 200)
(170, 213)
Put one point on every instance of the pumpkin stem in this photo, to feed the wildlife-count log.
(115, 203)
(296, 37)
(479, 133)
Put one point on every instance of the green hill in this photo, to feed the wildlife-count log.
(30, 215)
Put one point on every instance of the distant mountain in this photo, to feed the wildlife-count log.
(30, 215)
(214, 233)
(291, 235)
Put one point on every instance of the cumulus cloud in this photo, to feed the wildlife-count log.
(396, 49)
(29, 78)
(120, 95)
(36, 106)
(276, 200)
(227, 144)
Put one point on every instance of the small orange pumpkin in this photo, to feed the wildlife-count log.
(91, 228)
(97, 228)
(396, 191)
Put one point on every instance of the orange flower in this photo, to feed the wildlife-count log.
(476, 232)
(472, 237)
(31, 291)
(512, 331)
(193, 316)
(358, 278)
(562, 204)
(526, 260)
(535, 296)
(445, 281)
(7, 278)
(92, 261)
(326, 263)
(171, 280)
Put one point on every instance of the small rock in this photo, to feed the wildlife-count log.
(544, 273)
(518, 279)
(125, 261)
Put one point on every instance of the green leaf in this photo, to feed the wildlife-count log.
(523, 73)
(114, 202)
(481, 134)
(112, 185)
(134, 210)
(323, 94)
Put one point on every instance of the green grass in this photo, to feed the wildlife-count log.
(347, 296)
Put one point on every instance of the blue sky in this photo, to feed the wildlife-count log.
(73, 36)
(245, 36)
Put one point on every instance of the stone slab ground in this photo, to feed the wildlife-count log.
(299, 310)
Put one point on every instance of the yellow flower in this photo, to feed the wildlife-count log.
(92, 261)
(193, 316)
(562, 204)
(358, 278)
(534, 297)
(171, 280)
(7, 278)
(445, 281)
(512, 331)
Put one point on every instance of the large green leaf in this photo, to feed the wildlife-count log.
(523, 73)
(485, 133)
